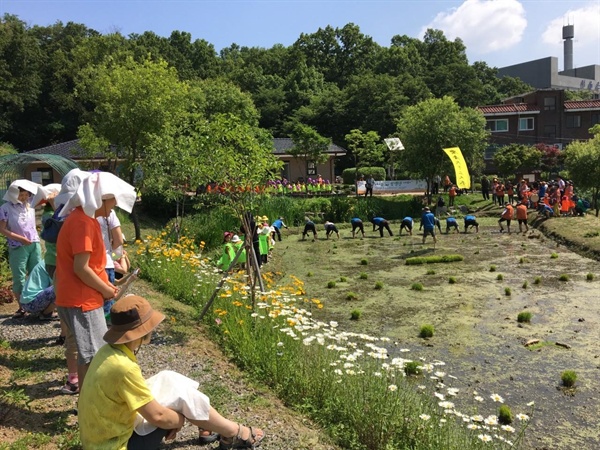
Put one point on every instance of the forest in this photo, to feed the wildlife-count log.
(333, 80)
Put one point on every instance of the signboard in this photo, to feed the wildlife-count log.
(400, 186)
(394, 144)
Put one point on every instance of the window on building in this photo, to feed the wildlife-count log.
(595, 119)
(311, 168)
(549, 103)
(497, 125)
(489, 152)
(550, 131)
(525, 123)
(573, 121)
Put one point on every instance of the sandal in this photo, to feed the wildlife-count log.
(252, 441)
(50, 316)
(19, 314)
(206, 437)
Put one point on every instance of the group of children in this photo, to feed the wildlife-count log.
(264, 234)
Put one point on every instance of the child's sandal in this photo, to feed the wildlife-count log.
(237, 442)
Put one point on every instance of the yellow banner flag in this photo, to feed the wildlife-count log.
(463, 179)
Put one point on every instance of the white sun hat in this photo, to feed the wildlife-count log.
(97, 187)
(12, 193)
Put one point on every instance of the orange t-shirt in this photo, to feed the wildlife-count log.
(79, 234)
(521, 211)
(509, 212)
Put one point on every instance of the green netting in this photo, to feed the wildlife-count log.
(13, 167)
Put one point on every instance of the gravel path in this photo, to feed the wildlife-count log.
(172, 349)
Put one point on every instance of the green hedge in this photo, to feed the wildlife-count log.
(349, 175)
(433, 259)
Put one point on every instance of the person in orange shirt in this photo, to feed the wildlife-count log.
(81, 282)
(451, 195)
(500, 194)
(522, 215)
(506, 216)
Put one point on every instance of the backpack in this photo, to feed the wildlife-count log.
(586, 204)
(51, 227)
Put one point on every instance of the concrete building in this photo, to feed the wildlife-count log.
(544, 74)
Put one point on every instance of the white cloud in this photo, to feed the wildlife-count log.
(483, 25)
(587, 28)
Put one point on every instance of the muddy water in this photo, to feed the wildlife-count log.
(477, 333)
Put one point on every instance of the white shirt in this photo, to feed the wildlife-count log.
(107, 224)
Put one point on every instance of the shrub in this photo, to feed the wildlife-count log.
(331, 284)
(379, 285)
(355, 314)
(563, 277)
(351, 296)
(452, 280)
(412, 368)
(349, 175)
(505, 416)
(430, 272)
(568, 378)
(537, 280)
(524, 317)
(364, 262)
(426, 331)
(433, 259)
(416, 287)
(343, 279)
(589, 276)
(500, 277)
(507, 291)
(363, 276)
(492, 268)
(554, 255)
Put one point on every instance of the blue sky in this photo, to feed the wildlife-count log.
(499, 32)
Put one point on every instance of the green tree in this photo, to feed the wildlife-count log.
(309, 145)
(134, 103)
(7, 149)
(582, 160)
(367, 148)
(511, 158)
(20, 81)
(432, 125)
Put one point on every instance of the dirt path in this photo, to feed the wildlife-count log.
(477, 333)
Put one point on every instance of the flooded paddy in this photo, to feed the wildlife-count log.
(475, 320)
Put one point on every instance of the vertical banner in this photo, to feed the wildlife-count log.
(463, 180)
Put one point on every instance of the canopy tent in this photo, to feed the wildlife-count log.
(13, 167)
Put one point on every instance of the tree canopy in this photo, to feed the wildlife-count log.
(582, 160)
(514, 157)
(334, 80)
(432, 125)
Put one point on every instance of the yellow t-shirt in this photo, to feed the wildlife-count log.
(113, 390)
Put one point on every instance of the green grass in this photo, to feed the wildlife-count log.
(568, 378)
(426, 331)
(524, 317)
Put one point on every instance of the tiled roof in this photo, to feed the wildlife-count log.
(283, 146)
(582, 104)
(511, 108)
